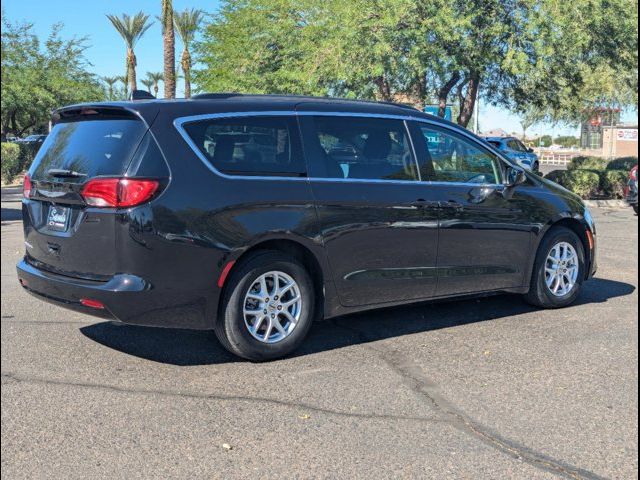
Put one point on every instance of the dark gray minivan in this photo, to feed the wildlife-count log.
(255, 215)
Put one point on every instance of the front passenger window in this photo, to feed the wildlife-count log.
(455, 159)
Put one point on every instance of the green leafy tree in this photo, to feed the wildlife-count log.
(111, 86)
(156, 78)
(41, 75)
(147, 83)
(131, 29)
(186, 24)
(125, 86)
(556, 57)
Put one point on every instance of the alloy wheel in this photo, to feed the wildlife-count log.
(272, 307)
(561, 269)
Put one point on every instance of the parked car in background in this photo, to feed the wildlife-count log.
(255, 215)
(515, 150)
(35, 139)
(632, 189)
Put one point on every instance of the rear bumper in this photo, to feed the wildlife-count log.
(126, 298)
(67, 291)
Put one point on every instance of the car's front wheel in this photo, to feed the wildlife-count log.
(558, 270)
(267, 307)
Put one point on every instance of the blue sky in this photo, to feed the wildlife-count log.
(107, 51)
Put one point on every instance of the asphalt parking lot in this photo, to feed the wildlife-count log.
(485, 388)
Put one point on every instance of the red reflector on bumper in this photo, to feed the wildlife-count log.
(225, 273)
(87, 302)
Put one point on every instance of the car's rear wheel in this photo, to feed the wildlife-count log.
(267, 308)
(558, 270)
(536, 167)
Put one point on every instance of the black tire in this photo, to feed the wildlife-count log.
(230, 327)
(635, 209)
(539, 294)
(536, 168)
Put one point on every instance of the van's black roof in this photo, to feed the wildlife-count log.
(230, 102)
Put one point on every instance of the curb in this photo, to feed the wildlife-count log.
(606, 203)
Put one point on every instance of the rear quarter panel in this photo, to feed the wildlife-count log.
(184, 238)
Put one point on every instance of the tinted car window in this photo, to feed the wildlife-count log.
(89, 147)
(363, 148)
(455, 159)
(515, 145)
(250, 145)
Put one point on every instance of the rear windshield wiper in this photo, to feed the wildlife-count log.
(64, 173)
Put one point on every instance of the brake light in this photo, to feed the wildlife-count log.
(118, 192)
(26, 187)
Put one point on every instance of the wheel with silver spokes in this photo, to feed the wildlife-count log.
(272, 307)
(558, 270)
(267, 306)
(561, 269)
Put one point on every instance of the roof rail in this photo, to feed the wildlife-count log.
(222, 96)
(215, 96)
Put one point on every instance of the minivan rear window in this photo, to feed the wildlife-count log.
(250, 145)
(88, 147)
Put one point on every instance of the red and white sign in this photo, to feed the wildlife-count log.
(628, 135)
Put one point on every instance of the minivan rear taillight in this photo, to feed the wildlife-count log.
(118, 192)
(26, 186)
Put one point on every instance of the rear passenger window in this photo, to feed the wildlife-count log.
(363, 148)
(250, 145)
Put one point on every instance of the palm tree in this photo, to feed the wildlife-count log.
(110, 81)
(169, 42)
(187, 24)
(125, 84)
(148, 84)
(131, 28)
(155, 77)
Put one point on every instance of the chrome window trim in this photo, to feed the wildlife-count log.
(179, 122)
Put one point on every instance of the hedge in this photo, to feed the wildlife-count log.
(592, 183)
(623, 163)
(584, 183)
(599, 163)
(612, 176)
(18, 159)
(10, 161)
(587, 163)
(613, 183)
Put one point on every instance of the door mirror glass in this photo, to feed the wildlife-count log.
(515, 176)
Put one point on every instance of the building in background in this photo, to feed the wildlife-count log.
(591, 131)
(620, 140)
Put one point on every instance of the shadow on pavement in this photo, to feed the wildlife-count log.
(11, 214)
(190, 347)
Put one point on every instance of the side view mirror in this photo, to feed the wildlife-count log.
(530, 150)
(515, 176)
